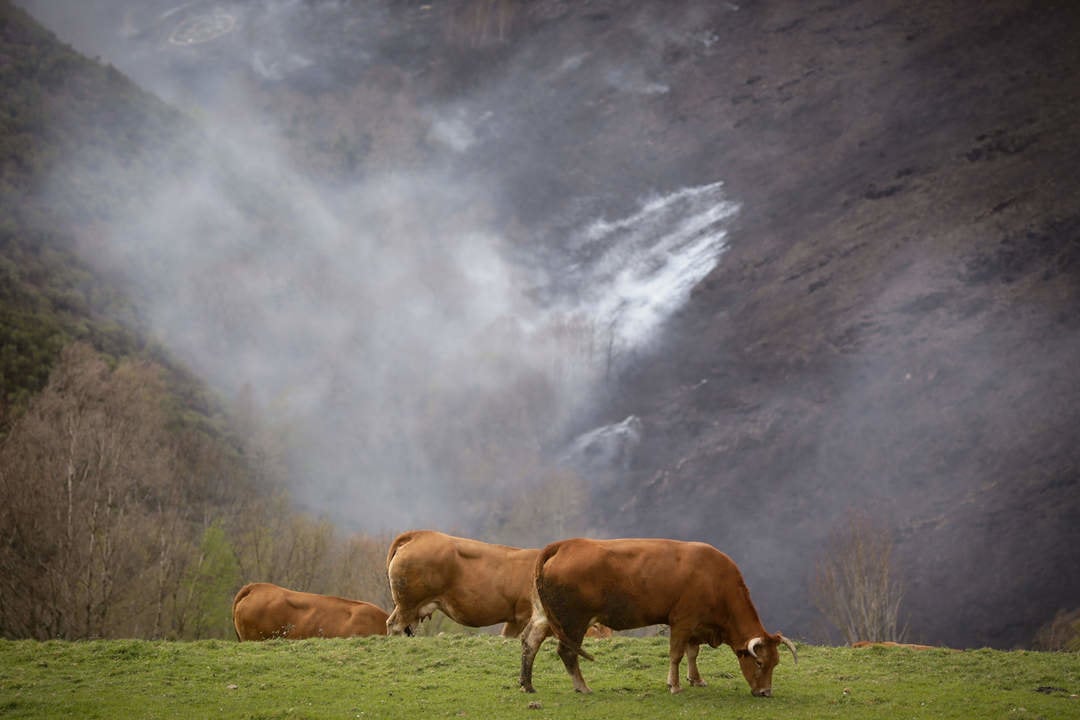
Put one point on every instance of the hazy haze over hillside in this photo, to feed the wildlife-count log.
(381, 315)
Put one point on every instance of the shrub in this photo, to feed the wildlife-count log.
(1061, 634)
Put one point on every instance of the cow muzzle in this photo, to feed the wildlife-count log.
(763, 692)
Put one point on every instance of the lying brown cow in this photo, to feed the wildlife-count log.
(262, 611)
(692, 587)
(474, 583)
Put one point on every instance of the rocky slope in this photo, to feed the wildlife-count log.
(895, 326)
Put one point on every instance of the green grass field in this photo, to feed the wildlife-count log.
(475, 676)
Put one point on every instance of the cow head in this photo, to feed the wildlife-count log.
(758, 659)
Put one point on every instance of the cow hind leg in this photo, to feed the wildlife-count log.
(573, 666)
(571, 659)
(676, 650)
(536, 631)
(692, 674)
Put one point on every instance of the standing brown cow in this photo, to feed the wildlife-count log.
(475, 583)
(692, 587)
(262, 611)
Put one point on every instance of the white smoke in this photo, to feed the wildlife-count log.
(365, 315)
(414, 360)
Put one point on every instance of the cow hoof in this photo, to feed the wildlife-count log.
(528, 689)
(698, 683)
(675, 689)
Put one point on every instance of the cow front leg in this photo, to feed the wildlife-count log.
(531, 639)
(676, 650)
(573, 666)
(692, 673)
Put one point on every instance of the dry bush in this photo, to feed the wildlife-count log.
(553, 507)
(854, 583)
(1060, 634)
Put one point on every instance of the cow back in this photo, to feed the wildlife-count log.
(264, 610)
(475, 583)
(630, 583)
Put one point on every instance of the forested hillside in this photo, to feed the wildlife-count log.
(136, 503)
(50, 297)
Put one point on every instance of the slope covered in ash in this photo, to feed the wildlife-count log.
(896, 324)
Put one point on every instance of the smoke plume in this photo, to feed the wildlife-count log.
(421, 359)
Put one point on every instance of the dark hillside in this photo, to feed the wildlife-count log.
(128, 492)
(895, 326)
(54, 103)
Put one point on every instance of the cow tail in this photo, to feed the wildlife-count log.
(553, 622)
(240, 595)
(399, 541)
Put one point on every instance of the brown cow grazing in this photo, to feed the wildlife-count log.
(262, 611)
(474, 583)
(692, 587)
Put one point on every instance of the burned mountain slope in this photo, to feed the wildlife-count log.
(895, 326)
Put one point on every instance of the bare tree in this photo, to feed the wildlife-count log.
(481, 22)
(360, 569)
(260, 530)
(854, 583)
(306, 548)
(77, 469)
(116, 524)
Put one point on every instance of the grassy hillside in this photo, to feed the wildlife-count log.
(476, 676)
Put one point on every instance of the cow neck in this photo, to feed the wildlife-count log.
(741, 634)
(744, 624)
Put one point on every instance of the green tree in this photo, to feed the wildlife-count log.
(208, 587)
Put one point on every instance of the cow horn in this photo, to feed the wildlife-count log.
(791, 647)
(754, 642)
